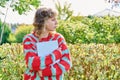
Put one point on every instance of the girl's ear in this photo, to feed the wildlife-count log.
(44, 29)
(45, 25)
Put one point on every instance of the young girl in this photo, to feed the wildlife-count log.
(53, 65)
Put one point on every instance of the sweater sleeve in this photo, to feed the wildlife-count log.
(63, 65)
(33, 61)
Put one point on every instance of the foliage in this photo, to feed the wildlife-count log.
(12, 67)
(90, 62)
(106, 29)
(114, 3)
(21, 31)
(6, 33)
(64, 12)
(21, 6)
(11, 38)
(2, 3)
(91, 30)
(77, 18)
(94, 62)
(82, 30)
(74, 32)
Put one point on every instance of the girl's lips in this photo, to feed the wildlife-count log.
(55, 26)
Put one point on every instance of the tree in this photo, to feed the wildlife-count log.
(64, 12)
(6, 33)
(22, 6)
(115, 3)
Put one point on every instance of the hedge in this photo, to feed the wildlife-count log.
(90, 62)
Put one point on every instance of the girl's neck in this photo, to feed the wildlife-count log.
(44, 34)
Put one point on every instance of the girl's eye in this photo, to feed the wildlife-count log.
(53, 19)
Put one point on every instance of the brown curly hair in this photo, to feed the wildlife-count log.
(40, 17)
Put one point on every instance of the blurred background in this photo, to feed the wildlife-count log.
(90, 27)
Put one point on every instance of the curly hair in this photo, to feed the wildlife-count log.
(40, 17)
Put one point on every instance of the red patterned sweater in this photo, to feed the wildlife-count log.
(49, 70)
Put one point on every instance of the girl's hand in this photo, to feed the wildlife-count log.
(40, 73)
(59, 49)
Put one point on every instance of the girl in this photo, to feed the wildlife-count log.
(53, 65)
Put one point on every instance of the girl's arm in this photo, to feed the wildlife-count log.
(63, 65)
(33, 61)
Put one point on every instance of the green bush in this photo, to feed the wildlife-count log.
(12, 67)
(91, 30)
(83, 30)
(90, 62)
(106, 29)
(21, 31)
(11, 38)
(74, 32)
(6, 32)
(94, 62)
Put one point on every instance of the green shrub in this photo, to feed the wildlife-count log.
(12, 67)
(106, 29)
(74, 32)
(91, 30)
(21, 31)
(6, 32)
(83, 30)
(11, 38)
(90, 62)
(94, 62)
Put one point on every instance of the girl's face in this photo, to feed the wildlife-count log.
(51, 24)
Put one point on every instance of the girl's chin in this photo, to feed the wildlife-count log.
(53, 29)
